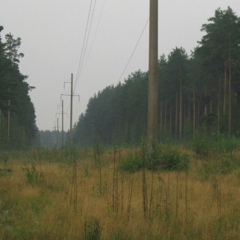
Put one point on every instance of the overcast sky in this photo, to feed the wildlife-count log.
(53, 33)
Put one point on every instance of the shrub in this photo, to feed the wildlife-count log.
(92, 230)
(223, 165)
(201, 145)
(5, 170)
(131, 163)
(167, 158)
(227, 144)
(33, 176)
(208, 144)
(163, 158)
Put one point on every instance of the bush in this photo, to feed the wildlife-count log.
(167, 158)
(33, 176)
(132, 163)
(201, 145)
(92, 230)
(206, 145)
(227, 144)
(163, 158)
(224, 165)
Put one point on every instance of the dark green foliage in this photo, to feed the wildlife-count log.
(14, 99)
(158, 158)
(5, 170)
(33, 176)
(167, 158)
(219, 166)
(228, 144)
(205, 144)
(51, 139)
(132, 163)
(110, 118)
(201, 145)
(92, 230)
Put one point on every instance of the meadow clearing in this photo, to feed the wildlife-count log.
(39, 198)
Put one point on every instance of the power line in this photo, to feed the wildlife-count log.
(134, 49)
(90, 26)
(130, 58)
(86, 38)
(85, 35)
(99, 20)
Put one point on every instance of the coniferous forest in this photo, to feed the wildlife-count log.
(17, 113)
(197, 92)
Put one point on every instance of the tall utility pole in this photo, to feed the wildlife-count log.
(71, 107)
(153, 74)
(62, 124)
(57, 124)
(71, 110)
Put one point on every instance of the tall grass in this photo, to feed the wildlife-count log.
(181, 204)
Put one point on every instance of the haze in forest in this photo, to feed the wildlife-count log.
(53, 33)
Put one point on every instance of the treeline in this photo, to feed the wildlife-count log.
(17, 113)
(52, 139)
(197, 92)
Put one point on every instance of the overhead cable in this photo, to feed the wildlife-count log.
(134, 49)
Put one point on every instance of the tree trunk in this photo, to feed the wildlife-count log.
(218, 105)
(176, 117)
(161, 116)
(194, 112)
(229, 91)
(225, 90)
(165, 117)
(170, 121)
(180, 109)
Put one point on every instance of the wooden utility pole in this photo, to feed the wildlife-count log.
(71, 109)
(62, 123)
(57, 124)
(153, 74)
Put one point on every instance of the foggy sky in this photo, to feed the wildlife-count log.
(52, 33)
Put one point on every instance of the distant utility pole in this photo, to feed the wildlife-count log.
(153, 74)
(57, 124)
(62, 115)
(62, 124)
(71, 107)
(71, 110)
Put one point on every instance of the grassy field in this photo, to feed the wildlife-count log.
(38, 199)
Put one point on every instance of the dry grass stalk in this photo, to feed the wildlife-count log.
(115, 193)
(144, 183)
(122, 193)
(74, 187)
(186, 197)
(130, 192)
(114, 180)
(177, 193)
(151, 203)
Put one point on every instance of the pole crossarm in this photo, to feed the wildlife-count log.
(71, 95)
